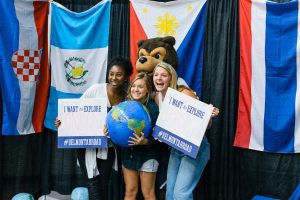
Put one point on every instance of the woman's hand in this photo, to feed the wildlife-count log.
(215, 112)
(138, 139)
(105, 131)
(57, 122)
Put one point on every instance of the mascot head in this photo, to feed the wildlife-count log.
(154, 50)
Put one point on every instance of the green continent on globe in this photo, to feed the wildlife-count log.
(136, 125)
(117, 114)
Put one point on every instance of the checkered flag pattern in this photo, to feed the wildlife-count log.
(26, 64)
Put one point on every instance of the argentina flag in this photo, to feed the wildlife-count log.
(182, 19)
(24, 68)
(269, 101)
(79, 49)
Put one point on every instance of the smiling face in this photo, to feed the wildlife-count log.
(161, 79)
(139, 90)
(116, 76)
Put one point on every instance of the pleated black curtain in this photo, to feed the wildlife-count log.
(235, 173)
(220, 88)
(34, 164)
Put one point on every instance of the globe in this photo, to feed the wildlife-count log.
(23, 196)
(126, 119)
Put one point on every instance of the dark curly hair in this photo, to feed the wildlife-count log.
(124, 63)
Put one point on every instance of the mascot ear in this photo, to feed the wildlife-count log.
(140, 43)
(170, 40)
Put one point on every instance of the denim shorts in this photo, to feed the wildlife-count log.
(149, 166)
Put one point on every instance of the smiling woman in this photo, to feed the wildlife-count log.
(96, 164)
(98, 171)
(140, 160)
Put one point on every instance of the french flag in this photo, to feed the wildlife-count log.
(185, 20)
(24, 68)
(269, 104)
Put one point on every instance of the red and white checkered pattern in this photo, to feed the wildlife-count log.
(26, 64)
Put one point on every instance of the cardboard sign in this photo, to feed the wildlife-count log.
(82, 122)
(182, 122)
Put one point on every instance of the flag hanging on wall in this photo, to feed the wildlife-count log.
(24, 68)
(269, 98)
(79, 49)
(183, 19)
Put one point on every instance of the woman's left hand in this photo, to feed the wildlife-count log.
(215, 112)
(105, 131)
(138, 139)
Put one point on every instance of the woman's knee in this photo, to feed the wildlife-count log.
(148, 193)
(131, 191)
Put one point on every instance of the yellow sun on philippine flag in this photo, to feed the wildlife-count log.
(166, 25)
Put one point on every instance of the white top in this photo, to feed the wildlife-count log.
(98, 90)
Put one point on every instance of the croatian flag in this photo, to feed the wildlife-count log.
(183, 19)
(269, 103)
(79, 49)
(24, 68)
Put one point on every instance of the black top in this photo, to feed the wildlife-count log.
(134, 157)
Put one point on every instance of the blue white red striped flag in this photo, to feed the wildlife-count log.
(183, 19)
(269, 103)
(24, 68)
(79, 49)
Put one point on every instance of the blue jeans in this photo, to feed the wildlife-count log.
(184, 172)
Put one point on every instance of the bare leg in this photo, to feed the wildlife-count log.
(148, 185)
(131, 183)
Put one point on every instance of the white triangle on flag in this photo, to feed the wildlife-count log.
(174, 18)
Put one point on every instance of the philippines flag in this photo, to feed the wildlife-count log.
(24, 68)
(183, 19)
(79, 49)
(269, 103)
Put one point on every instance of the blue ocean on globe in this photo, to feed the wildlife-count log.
(125, 119)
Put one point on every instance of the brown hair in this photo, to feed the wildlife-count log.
(146, 78)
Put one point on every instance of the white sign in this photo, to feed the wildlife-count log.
(182, 122)
(82, 122)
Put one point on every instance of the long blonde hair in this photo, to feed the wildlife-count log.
(148, 81)
(171, 71)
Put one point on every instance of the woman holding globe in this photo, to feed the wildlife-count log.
(140, 160)
(138, 152)
(183, 172)
(96, 164)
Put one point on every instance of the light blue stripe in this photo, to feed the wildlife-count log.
(87, 30)
(9, 43)
(281, 76)
(191, 51)
(52, 108)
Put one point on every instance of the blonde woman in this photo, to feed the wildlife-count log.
(183, 171)
(140, 160)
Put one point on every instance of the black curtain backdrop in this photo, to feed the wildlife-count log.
(220, 88)
(33, 163)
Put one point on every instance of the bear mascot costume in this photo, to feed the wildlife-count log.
(154, 50)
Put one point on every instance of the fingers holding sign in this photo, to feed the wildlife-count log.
(57, 122)
(215, 112)
(105, 131)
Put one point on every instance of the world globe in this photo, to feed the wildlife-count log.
(126, 119)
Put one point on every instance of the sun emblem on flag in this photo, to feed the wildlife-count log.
(75, 72)
(166, 25)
